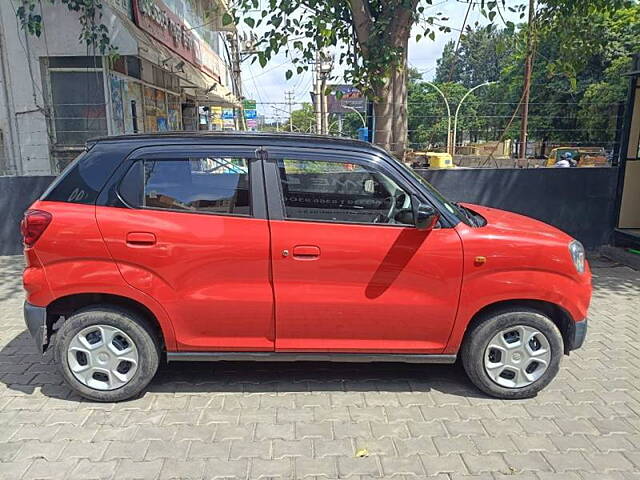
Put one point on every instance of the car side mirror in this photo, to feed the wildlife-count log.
(405, 216)
(425, 216)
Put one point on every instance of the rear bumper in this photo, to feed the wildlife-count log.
(36, 319)
(578, 335)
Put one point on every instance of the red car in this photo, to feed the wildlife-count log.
(283, 247)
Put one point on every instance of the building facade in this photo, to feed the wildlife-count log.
(628, 199)
(172, 71)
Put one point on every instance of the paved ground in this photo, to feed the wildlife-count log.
(309, 420)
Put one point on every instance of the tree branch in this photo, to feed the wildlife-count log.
(362, 23)
(400, 25)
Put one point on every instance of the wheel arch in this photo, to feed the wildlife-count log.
(68, 305)
(554, 312)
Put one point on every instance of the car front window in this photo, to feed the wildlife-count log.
(436, 195)
(341, 191)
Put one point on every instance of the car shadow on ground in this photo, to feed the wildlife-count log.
(40, 374)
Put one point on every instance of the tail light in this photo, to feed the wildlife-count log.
(33, 225)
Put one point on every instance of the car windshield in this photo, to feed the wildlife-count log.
(449, 206)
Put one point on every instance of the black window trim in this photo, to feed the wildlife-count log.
(275, 194)
(171, 152)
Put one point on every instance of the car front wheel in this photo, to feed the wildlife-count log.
(106, 354)
(513, 353)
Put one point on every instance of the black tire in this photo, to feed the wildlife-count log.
(480, 334)
(133, 325)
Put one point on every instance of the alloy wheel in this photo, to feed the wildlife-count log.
(517, 356)
(102, 357)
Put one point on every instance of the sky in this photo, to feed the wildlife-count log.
(268, 85)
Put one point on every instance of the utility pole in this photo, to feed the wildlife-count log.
(317, 99)
(323, 67)
(528, 70)
(236, 74)
(289, 100)
(325, 109)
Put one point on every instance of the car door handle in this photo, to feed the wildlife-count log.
(306, 252)
(140, 239)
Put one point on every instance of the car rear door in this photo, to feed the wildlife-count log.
(188, 227)
(344, 280)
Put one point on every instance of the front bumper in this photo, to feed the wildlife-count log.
(36, 319)
(578, 335)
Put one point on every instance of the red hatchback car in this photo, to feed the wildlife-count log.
(282, 247)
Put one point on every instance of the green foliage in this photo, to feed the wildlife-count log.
(577, 82)
(351, 122)
(428, 114)
(481, 57)
(303, 119)
(598, 106)
(92, 32)
(370, 36)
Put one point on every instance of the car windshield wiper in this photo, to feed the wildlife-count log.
(467, 213)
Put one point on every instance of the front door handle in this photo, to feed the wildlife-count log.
(140, 239)
(306, 252)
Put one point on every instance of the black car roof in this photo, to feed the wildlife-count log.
(250, 138)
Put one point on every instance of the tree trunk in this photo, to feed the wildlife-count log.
(390, 102)
(390, 111)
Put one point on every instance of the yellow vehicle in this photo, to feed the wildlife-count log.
(431, 160)
(585, 156)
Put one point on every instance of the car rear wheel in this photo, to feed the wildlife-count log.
(106, 354)
(513, 353)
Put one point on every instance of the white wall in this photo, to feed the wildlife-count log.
(23, 78)
(22, 119)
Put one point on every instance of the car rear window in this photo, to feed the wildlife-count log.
(217, 185)
(83, 179)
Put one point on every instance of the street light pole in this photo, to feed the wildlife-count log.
(446, 102)
(364, 123)
(455, 122)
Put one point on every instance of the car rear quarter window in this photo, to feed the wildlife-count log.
(84, 178)
(195, 184)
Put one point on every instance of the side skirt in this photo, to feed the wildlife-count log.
(306, 357)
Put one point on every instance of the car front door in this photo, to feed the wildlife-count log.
(351, 273)
(191, 232)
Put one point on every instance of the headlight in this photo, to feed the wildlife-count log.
(577, 255)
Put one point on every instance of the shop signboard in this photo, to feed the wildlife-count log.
(155, 18)
(116, 85)
(228, 118)
(162, 125)
(216, 118)
(155, 109)
(249, 104)
(345, 98)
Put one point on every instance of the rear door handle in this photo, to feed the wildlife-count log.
(306, 252)
(140, 239)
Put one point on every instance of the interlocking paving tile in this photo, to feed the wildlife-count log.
(245, 420)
